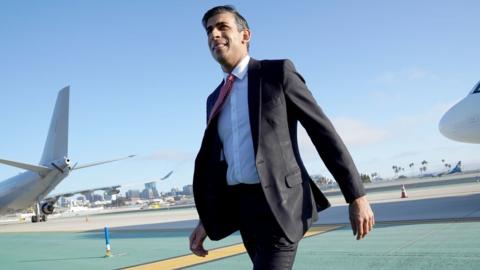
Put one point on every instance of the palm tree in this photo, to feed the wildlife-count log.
(424, 163)
(396, 169)
(411, 167)
(448, 166)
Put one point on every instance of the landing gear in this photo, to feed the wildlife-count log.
(40, 218)
(38, 215)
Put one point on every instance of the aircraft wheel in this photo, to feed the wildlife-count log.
(34, 219)
(44, 218)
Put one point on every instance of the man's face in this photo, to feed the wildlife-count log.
(227, 45)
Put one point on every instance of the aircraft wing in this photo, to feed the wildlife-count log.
(166, 176)
(75, 167)
(110, 190)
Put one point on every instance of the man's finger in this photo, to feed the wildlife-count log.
(193, 242)
(366, 227)
(354, 227)
(360, 229)
(200, 252)
(371, 223)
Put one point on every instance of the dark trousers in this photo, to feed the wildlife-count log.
(264, 240)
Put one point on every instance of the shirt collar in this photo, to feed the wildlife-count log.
(240, 70)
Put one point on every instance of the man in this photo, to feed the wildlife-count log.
(248, 173)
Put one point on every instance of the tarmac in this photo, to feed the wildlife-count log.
(436, 227)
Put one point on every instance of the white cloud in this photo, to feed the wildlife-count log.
(357, 133)
(416, 74)
(408, 74)
(169, 155)
(387, 78)
(407, 154)
(353, 133)
(432, 115)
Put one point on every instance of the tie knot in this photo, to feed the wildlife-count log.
(230, 77)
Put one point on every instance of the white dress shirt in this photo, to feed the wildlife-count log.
(235, 132)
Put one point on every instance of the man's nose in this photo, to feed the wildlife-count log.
(215, 33)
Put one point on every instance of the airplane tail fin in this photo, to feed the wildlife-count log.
(457, 168)
(56, 145)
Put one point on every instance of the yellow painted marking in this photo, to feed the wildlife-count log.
(321, 229)
(214, 254)
(189, 260)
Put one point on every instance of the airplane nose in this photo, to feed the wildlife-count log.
(449, 123)
(445, 125)
(459, 123)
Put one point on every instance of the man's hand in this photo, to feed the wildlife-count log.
(196, 240)
(361, 217)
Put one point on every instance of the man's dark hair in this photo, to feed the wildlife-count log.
(239, 19)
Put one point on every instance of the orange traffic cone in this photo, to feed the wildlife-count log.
(404, 192)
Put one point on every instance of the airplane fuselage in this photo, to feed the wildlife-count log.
(26, 189)
(462, 121)
(31, 187)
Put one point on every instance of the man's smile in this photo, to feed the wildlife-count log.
(219, 45)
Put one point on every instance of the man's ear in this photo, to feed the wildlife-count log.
(245, 36)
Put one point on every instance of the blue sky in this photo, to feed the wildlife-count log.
(139, 71)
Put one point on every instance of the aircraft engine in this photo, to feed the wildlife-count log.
(112, 191)
(47, 208)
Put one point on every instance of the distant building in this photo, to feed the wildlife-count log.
(133, 194)
(80, 201)
(119, 200)
(107, 197)
(64, 202)
(188, 190)
(147, 194)
(175, 191)
(89, 196)
(97, 197)
(92, 197)
(152, 186)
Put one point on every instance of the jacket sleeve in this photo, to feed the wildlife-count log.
(328, 144)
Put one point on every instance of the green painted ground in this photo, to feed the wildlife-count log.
(413, 246)
(417, 246)
(86, 250)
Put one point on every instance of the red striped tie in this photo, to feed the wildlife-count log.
(224, 92)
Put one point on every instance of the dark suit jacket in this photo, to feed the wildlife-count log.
(278, 99)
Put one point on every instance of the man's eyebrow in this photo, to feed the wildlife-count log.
(216, 24)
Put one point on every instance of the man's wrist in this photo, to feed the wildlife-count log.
(358, 199)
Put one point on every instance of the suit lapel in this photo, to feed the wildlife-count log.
(254, 99)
